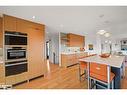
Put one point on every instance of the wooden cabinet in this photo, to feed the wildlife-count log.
(68, 59)
(14, 79)
(35, 52)
(2, 73)
(71, 59)
(22, 25)
(76, 40)
(1, 34)
(9, 23)
(35, 47)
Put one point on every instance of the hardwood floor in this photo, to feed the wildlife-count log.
(60, 78)
(56, 78)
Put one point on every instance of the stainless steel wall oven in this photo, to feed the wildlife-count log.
(15, 53)
(15, 67)
(15, 38)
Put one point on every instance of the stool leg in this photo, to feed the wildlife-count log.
(94, 84)
(113, 84)
(79, 73)
(90, 87)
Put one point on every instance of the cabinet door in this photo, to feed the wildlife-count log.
(75, 40)
(2, 74)
(10, 80)
(21, 77)
(9, 23)
(81, 41)
(1, 34)
(35, 52)
(22, 25)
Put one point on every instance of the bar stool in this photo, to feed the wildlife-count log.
(82, 69)
(98, 74)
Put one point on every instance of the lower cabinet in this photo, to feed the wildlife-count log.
(71, 59)
(14, 79)
(2, 73)
(35, 53)
(68, 60)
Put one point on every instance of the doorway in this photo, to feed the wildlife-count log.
(47, 50)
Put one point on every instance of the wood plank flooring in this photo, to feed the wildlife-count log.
(60, 78)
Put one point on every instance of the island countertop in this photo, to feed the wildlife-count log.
(113, 60)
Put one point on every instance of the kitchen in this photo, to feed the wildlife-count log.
(23, 43)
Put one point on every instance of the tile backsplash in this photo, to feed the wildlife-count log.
(69, 49)
(1, 51)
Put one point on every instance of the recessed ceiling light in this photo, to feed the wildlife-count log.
(106, 41)
(101, 32)
(33, 17)
(107, 34)
(110, 42)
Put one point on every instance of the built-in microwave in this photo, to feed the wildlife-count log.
(15, 38)
(14, 53)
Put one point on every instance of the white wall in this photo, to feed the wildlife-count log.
(54, 47)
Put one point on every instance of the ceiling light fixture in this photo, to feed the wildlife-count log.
(110, 42)
(101, 32)
(107, 34)
(106, 41)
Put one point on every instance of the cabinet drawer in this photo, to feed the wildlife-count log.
(21, 77)
(10, 80)
(71, 56)
(99, 69)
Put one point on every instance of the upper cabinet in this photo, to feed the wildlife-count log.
(21, 25)
(9, 23)
(76, 40)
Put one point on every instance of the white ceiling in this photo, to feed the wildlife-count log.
(77, 19)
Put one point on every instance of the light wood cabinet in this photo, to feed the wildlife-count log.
(68, 59)
(1, 33)
(35, 47)
(2, 72)
(9, 23)
(10, 80)
(14, 79)
(75, 40)
(71, 59)
(35, 52)
(21, 77)
(22, 25)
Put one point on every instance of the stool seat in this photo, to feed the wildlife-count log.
(101, 77)
(83, 65)
(98, 72)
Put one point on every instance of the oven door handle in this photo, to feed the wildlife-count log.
(16, 50)
(15, 64)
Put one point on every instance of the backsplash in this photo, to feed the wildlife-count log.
(1, 51)
(69, 49)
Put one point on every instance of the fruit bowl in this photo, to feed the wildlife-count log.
(106, 55)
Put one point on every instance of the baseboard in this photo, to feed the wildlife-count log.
(72, 65)
(36, 77)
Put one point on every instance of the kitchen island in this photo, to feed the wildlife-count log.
(115, 62)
